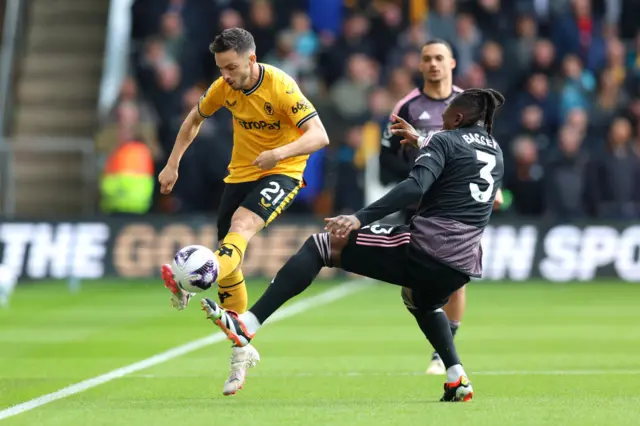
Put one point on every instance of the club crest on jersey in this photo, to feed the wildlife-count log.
(231, 104)
(268, 108)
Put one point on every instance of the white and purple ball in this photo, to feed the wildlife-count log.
(195, 268)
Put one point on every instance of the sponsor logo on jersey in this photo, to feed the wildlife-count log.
(300, 106)
(424, 116)
(258, 125)
(291, 89)
(268, 108)
(231, 104)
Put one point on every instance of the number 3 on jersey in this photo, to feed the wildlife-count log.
(272, 195)
(485, 174)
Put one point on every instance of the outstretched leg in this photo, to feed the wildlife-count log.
(292, 279)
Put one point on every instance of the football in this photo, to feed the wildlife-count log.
(195, 268)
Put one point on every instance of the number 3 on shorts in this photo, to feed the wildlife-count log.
(271, 195)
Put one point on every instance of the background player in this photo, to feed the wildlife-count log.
(423, 108)
(275, 130)
(456, 176)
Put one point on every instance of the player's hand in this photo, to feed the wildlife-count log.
(405, 130)
(341, 226)
(167, 178)
(267, 160)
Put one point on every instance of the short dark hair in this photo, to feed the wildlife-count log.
(440, 41)
(480, 105)
(237, 39)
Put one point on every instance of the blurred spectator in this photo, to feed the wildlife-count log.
(349, 94)
(262, 25)
(494, 17)
(565, 173)
(306, 41)
(409, 42)
(467, 42)
(495, 70)
(441, 22)
(613, 189)
(173, 35)
(525, 178)
(284, 56)
(349, 195)
(577, 87)
(579, 32)
(230, 18)
(532, 125)
(609, 102)
(386, 26)
(129, 120)
(400, 83)
(522, 47)
(353, 40)
(544, 58)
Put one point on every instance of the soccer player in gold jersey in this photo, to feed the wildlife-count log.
(275, 130)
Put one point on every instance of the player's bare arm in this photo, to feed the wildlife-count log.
(188, 132)
(314, 138)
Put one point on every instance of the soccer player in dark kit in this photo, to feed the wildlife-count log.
(422, 108)
(456, 177)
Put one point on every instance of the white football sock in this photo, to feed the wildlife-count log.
(250, 321)
(454, 372)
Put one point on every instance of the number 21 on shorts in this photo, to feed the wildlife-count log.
(272, 195)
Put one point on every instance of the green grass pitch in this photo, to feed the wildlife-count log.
(537, 354)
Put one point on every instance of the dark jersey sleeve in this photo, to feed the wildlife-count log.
(403, 195)
(393, 165)
(433, 156)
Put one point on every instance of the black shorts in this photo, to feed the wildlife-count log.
(383, 252)
(267, 197)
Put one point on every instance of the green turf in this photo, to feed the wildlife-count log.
(357, 361)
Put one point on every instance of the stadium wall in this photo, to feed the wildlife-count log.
(135, 247)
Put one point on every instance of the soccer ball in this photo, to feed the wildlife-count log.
(195, 268)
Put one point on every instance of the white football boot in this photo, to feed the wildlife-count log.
(242, 359)
(244, 356)
(436, 366)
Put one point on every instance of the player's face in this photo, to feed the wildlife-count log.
(436, 63)
(236, 68)
(451, 119)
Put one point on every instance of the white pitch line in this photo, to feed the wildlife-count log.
(421, 373)
(555, 372)
(295, 308)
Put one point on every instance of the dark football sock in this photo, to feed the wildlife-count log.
(435, 327)
(453, 325)
(294, 277)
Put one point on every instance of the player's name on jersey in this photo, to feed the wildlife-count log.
(134, 249)
(480, 139)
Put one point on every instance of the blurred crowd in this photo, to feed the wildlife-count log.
(570, 70)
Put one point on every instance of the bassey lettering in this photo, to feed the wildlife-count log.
(259, 125)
